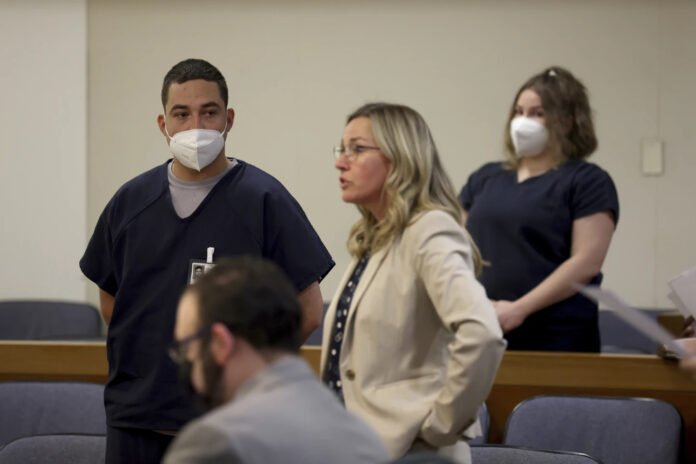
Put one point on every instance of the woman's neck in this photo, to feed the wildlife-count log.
(532, 166)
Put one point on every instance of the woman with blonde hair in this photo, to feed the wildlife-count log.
(544, 218)
(411, 342)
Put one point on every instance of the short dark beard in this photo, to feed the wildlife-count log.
(213, 394)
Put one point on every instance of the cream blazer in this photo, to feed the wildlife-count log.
(422, 342)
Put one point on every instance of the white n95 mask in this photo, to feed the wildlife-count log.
(196, 148)
(528, 136)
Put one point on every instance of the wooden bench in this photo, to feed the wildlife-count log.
(521, 375)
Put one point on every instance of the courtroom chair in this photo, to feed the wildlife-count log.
(501, 454)
(617, 336)
(485, 421)
(55, 449)
(49, 320)
(613, 430)
(422, 458)
(39, 408)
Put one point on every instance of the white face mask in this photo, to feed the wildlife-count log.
(528, 136)
(196, 148)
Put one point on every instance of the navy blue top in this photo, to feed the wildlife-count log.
(140, 252)
(524, 229)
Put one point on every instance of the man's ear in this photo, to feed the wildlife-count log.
(160, 124)
(230, 120)
(222, 343)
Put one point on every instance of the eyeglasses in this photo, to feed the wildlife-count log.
(177, 349)
(352, 151)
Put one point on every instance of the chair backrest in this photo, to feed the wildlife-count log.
(485, 421)
(423, 458)
(37, 408)
(614, 430)
(496, 454)
(620, 337)
(56, 449)
(48, 320)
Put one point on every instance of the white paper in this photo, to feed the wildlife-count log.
(684, 287)
(679, 304)
(634, 317)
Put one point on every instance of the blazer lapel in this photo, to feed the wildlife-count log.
(368, 274)
(370, 271)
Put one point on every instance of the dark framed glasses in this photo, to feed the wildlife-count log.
(177, 349)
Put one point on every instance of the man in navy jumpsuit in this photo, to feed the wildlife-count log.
(197, 207)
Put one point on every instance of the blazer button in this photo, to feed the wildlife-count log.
(350, 374)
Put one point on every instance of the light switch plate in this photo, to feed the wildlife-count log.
(652, 156)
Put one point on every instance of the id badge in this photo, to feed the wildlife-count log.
(198, 267)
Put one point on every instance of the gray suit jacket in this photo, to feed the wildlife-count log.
(422, 341)
(281, 415)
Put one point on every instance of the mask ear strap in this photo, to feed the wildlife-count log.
(165, 130)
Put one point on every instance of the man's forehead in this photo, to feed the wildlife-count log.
(187, 313)
(194, 93)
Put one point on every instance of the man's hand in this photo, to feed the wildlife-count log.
(106, 305)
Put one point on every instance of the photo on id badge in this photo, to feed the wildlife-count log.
(197, 269)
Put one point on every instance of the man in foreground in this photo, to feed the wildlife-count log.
(237, 336)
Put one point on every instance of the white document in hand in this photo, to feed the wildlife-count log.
(634, 317)
(683, 293)
(679, 304)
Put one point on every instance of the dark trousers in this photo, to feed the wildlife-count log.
(581, 338)
(135, 446)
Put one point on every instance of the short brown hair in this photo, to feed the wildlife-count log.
(565, 102)
(192, 69)
(254, 299)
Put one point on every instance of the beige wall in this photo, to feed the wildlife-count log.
(43, 156)
(296, 68)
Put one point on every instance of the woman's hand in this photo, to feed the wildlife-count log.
(689, 329)
(510, 314)
(689, 365)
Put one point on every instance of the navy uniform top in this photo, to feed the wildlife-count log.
(524, 230)
(140, 252)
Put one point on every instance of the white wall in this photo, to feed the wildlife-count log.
(675, 227)
(296, 68)
(43, 156)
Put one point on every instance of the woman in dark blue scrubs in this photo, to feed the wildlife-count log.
(543, 218)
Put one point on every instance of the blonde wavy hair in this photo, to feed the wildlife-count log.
(416, 181)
